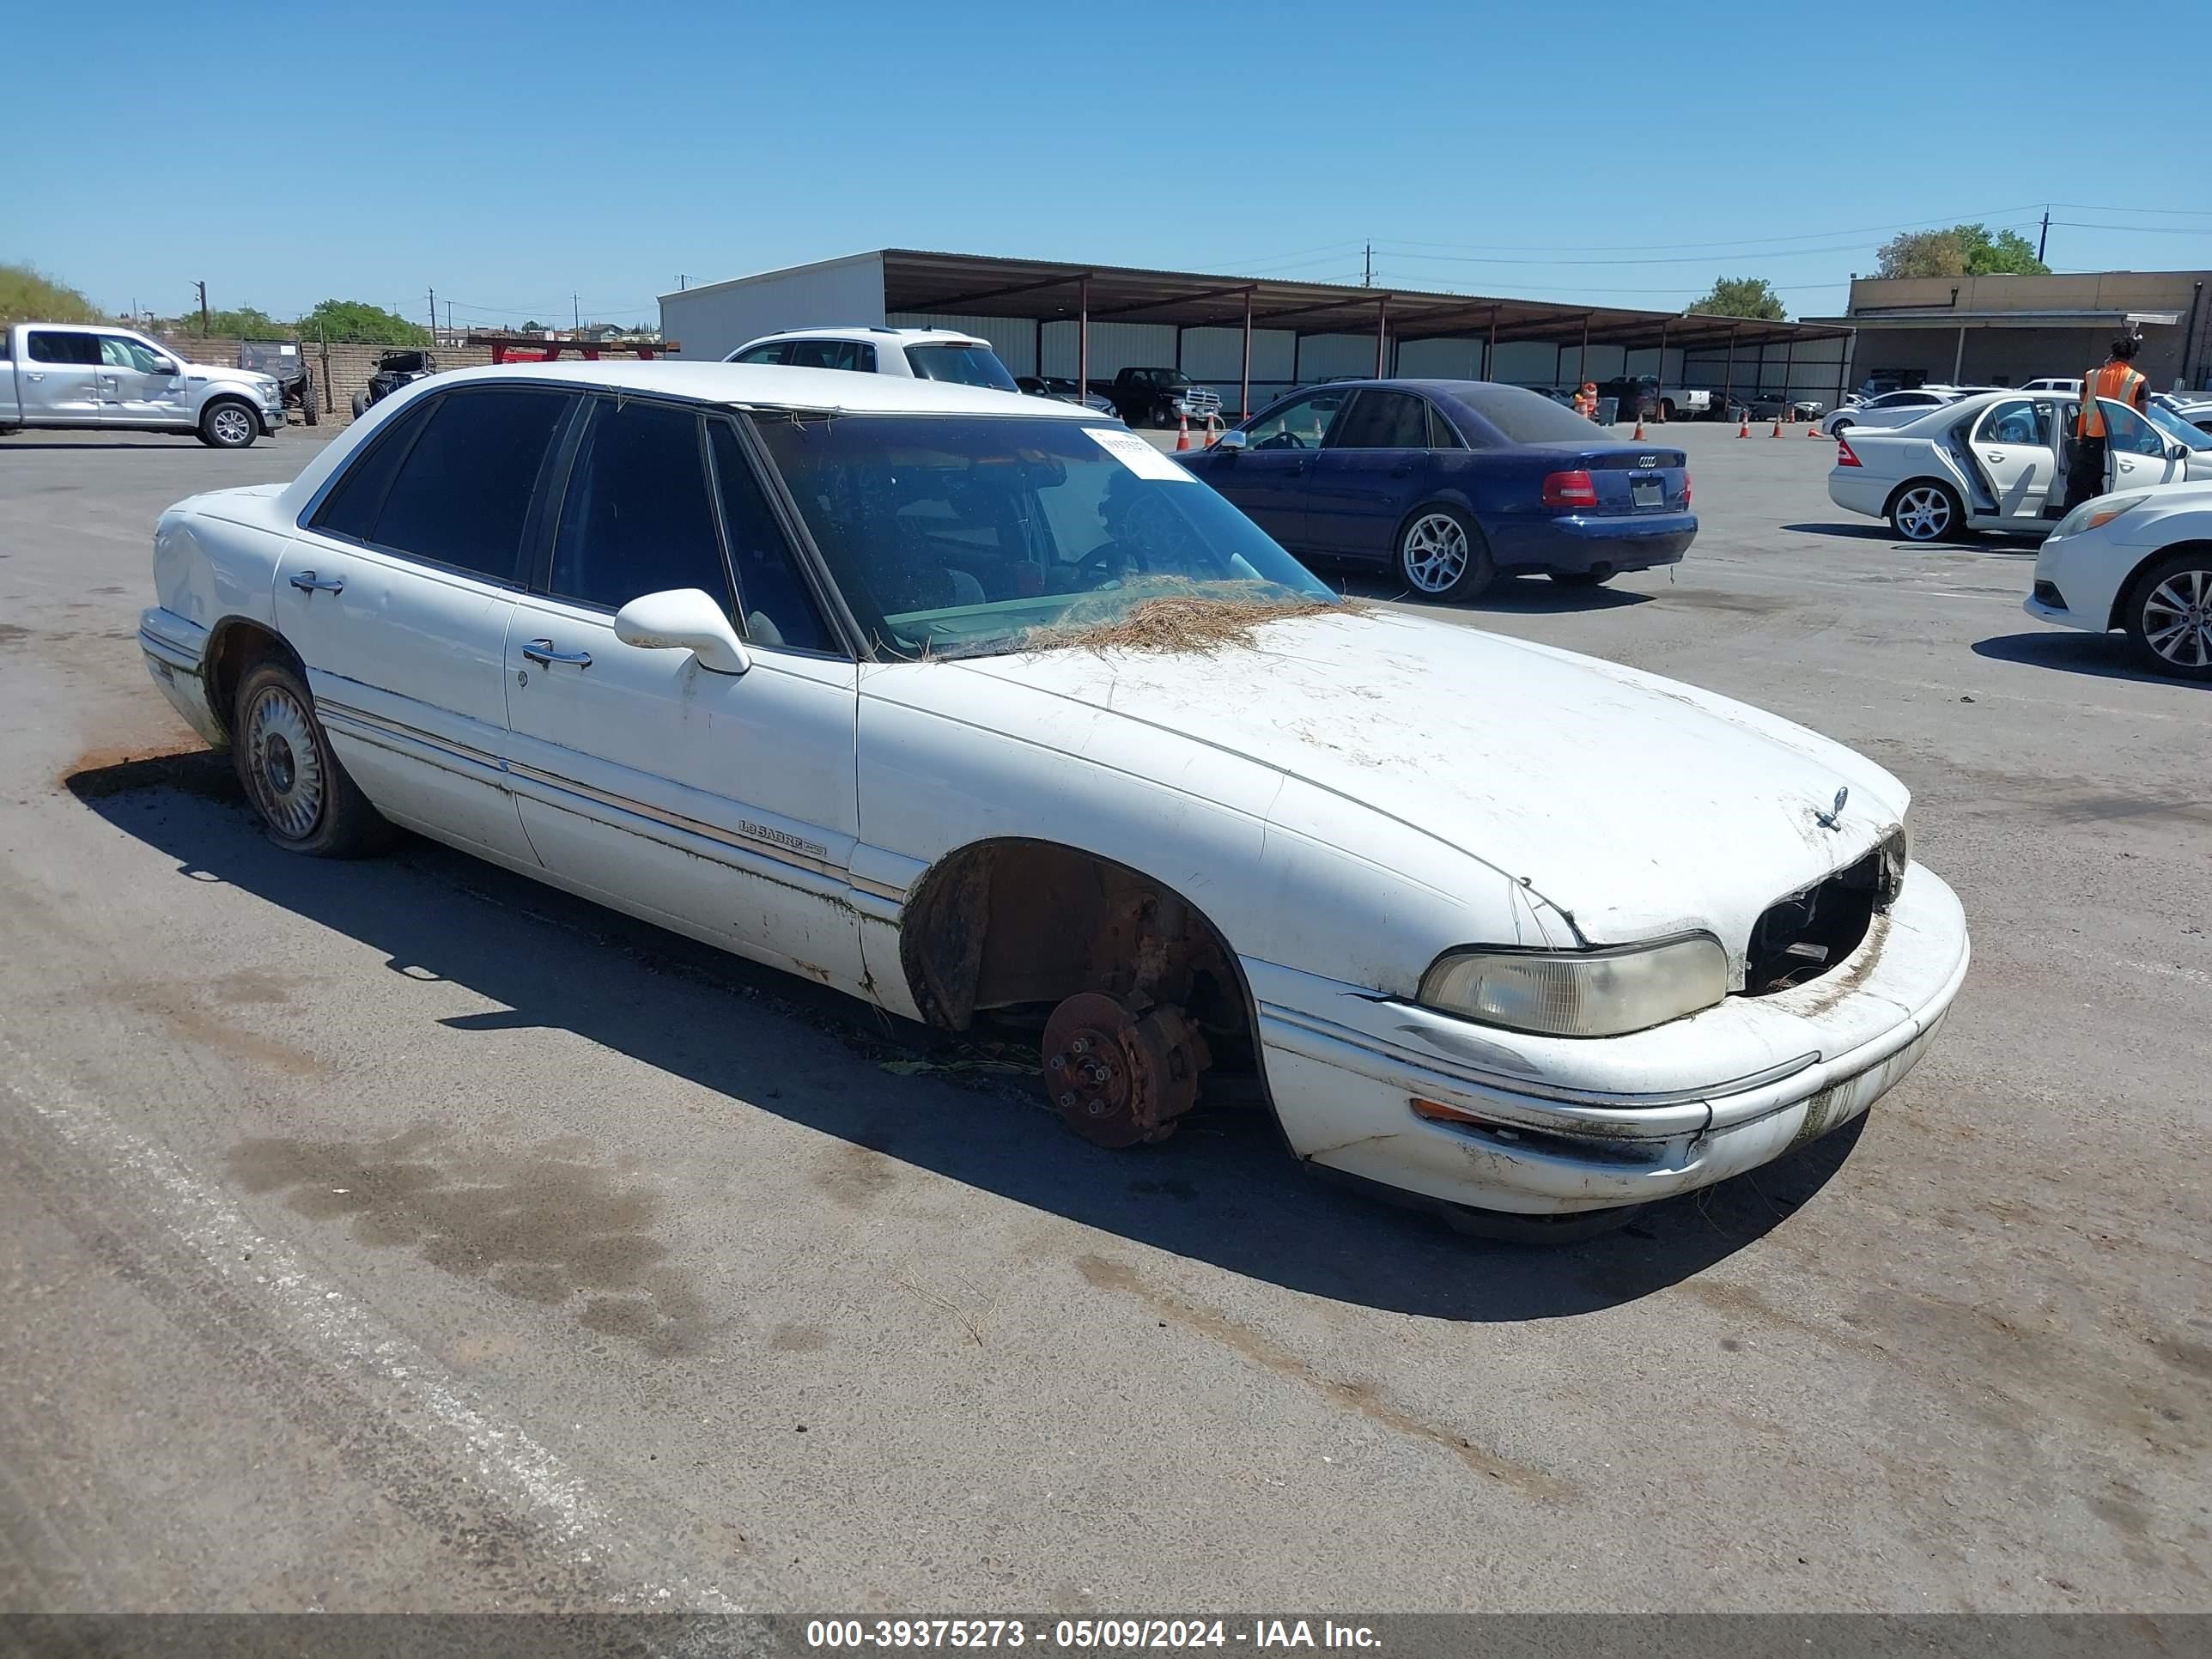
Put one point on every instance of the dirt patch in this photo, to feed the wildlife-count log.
(182, 762)
(1358, 1397)
(1181, 616)
(13, 635)
(184, 1008)
(550, 1224)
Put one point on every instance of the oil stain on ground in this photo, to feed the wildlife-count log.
(550, 1224)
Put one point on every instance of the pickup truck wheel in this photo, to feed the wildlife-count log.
(359, 404)
(1442, 553)
(226, 423)
(302, 794)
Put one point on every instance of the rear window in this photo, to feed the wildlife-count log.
(967, 365)
(1526, 418)
(55, 347)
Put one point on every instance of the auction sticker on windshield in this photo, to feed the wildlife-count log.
(1140, 457)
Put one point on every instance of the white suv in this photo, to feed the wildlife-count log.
(919, 354)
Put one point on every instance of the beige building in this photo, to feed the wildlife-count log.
(2002, 330)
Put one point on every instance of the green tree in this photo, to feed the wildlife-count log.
(1961, 250)
(357, 321)
(244, 323)
(1742, 296)
(30, 297)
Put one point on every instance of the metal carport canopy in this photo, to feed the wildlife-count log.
(949, 284)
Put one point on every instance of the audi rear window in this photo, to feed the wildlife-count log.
(1525, 418)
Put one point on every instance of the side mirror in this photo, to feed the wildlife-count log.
(683, 619)
(2176, 451)
(1233, 441)
(163, 365)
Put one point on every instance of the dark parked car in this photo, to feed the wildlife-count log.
(1160, 397)
(1061, 389)
(394, 370)
(1453, 482)
(1774, 406)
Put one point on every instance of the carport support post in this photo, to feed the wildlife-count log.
(1382, 330)
(1490, 350)
(1582, 362)
(1245, 396)
(1959, 358)
(1789, 374)
(1082, 339)
(1728, 378)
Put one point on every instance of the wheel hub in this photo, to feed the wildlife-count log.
(1118, 1077)
(276, 758)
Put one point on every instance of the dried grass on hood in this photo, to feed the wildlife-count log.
(1179, 614)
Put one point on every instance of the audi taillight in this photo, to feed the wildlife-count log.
(1686, 489)
(1844, 455)
(1569, 489)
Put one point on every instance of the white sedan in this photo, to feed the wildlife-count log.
(979, 707)
(1997, 461)
(1890, 408)
(2141, 561)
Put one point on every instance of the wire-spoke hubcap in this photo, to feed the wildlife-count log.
(1435, 552)
(2178, 619)
(231, 425)
(284, 763)
(1924, 514)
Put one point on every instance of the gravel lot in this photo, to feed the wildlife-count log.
(404, 1235)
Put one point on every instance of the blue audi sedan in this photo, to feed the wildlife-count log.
(1454, 482)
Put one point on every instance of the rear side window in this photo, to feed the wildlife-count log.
(51, 346)
(764, 354)
(7, 344)
(1441, 433)
(773, 595)
(463, 490)
(1385, 420)
(833, 354)
(637, 517)
(350, 507)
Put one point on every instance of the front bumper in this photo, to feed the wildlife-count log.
(174, 648)
(1568, 1125)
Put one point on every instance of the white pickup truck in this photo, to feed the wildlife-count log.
(73, 374)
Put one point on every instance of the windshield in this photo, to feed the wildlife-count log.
(964, 535)
(2174, 427)
(969, 365)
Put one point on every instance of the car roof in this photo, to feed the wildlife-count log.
(772, 385)
(871, 331)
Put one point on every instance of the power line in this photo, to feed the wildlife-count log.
(1749, 241)
(2093, 207)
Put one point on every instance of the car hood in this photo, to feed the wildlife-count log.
(1636, 806)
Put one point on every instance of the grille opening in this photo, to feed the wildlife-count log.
(1805, 935)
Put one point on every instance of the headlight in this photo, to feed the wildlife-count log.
(2091, 515)
(1580, 993)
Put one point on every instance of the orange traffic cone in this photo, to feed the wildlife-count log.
(1636, 436)
(1743, 426)
(1813, 430)
(1778, 430)
(1182, 433)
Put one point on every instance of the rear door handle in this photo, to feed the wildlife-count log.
(1402, 471)
(543, 651)
(308, 582)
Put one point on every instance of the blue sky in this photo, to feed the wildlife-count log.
(1617, 154)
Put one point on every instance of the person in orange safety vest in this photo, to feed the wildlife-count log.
(1586, 401)
(2119, 381)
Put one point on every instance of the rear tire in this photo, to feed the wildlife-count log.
(2169, 618)
(1927, 510)
(359, 404)
(226, 423)
(1441, 555)
(304, 798)
(1840, 428)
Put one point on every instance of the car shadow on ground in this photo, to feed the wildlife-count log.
(151, 441)
(1527, 596)
(1223, 1191)
(2104, 656)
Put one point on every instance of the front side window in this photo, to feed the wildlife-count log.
(637, 517)
(463, 492)
(121, 351)
(777, 605)
(973, 535)
(52, 346)
(2128, 432)
(2177, 429)
(1384, 420)
(968, 365)
(1299, 425)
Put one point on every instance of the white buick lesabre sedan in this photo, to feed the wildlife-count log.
(978, 708)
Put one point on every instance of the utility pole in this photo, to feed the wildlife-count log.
(433, 316)
(1367, 269)
(576, 323)
(449, 316)
(682, 281)
(202, 287)
(2042, 240)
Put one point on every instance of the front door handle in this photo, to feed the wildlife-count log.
(543, 651)
(1402, 471)
(308, 582)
